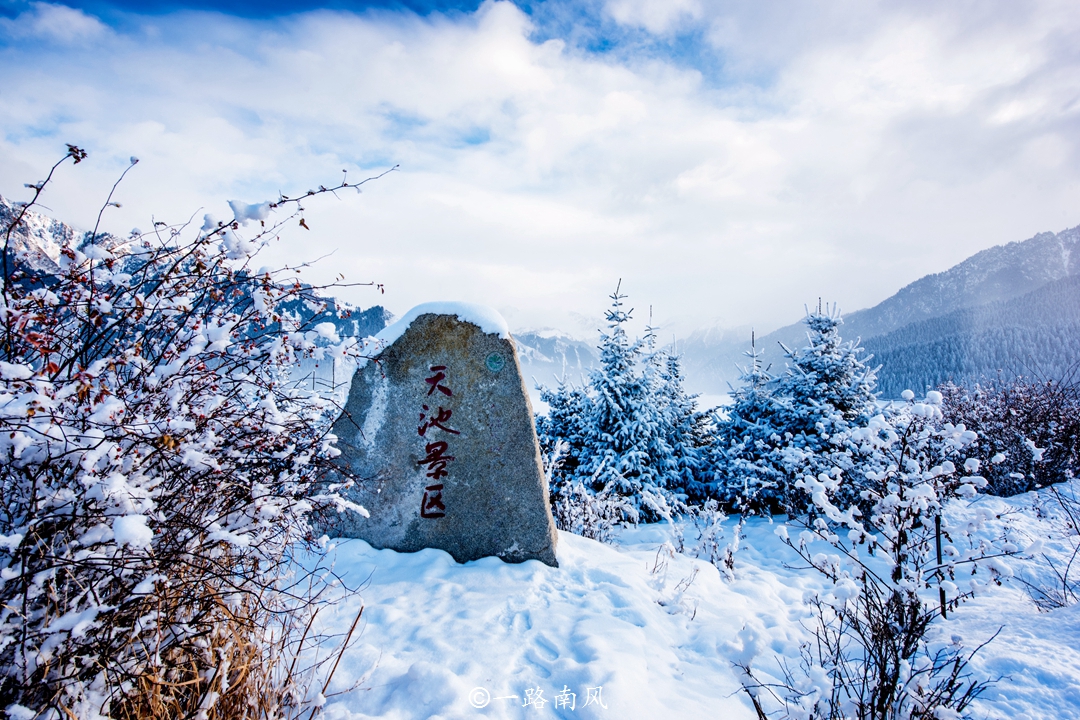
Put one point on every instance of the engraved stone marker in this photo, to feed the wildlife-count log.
(438, 430)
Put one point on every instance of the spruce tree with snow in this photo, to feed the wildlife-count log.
(687, 431)
(623, 423)
(632, 432)
(747, 465)
(828, 381)
(562, 431)
(781, 429)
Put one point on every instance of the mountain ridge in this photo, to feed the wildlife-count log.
(994, 275)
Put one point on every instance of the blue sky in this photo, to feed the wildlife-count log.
(260, 8)
(731, 160)
(584, 25)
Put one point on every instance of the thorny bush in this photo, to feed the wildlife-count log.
(157, 470)
(1029, 430)
(1029, 439)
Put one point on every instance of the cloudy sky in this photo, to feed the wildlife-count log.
(729, 160)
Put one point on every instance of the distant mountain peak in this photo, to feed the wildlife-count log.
(997, 273)
(39, 239)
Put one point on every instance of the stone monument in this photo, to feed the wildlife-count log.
(438, 434)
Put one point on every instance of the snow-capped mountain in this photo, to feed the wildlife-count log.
(548, 355)
(38, 239)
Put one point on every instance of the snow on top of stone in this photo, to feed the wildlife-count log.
(487, 319)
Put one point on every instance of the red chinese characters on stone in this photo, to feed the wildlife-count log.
(437, 460)
(432, 505)
(435, 419)
(435, 381)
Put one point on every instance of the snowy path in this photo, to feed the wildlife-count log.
(612, 618)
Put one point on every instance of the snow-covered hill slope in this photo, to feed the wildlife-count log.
(658, 631)
(1037, 334)
(436, 631)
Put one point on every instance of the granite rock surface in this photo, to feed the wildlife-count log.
(438, 435)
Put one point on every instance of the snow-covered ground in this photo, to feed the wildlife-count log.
(637, 631)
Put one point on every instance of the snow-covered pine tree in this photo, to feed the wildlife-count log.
(576, 507)
(747, 468)
(687, 432)
(828, 376)
(828, 389)
(784, 428)
(562, 431)
(623, 425)
(632, 432)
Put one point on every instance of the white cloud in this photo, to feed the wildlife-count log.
(845, 150)
(57, 23)
(659, 17)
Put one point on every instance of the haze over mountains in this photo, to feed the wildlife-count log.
(1011, 309)
(1036, 335)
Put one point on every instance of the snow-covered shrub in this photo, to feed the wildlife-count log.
(1058, 506)
(894, 570)
(579, 510)
(671, 597)
(1029, 431)
(708, 521)
(778, 428)
(156, 471)
(589, 514)
(632, 431)
(1029, 438)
